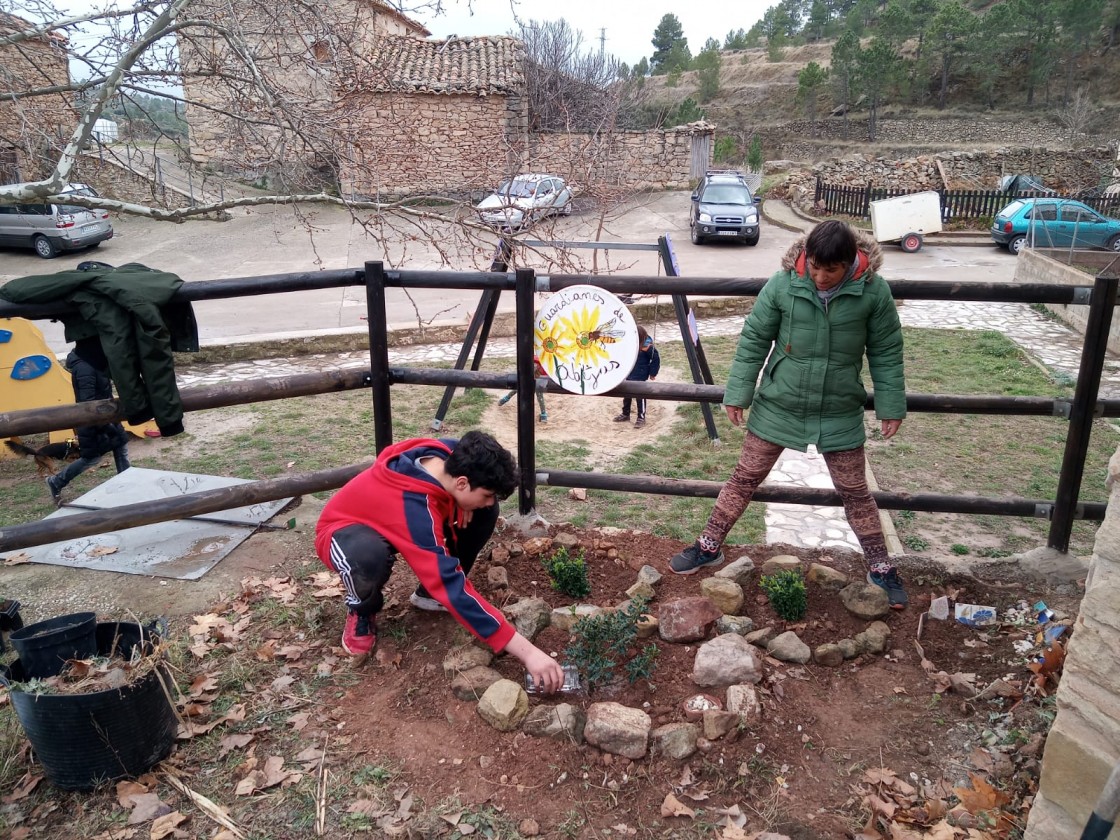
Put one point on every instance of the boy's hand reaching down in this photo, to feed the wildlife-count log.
(547, 674)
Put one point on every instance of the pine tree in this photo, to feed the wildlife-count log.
(667, 38)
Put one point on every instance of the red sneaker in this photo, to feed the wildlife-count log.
(359, 635)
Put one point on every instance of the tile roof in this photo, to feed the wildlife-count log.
(449, 66)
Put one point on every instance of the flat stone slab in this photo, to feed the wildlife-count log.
(184, 549)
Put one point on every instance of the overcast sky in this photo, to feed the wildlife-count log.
(629, 24)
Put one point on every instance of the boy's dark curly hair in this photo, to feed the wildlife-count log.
(484, 462)
(831, 243)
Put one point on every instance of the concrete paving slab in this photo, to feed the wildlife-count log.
(183, 549)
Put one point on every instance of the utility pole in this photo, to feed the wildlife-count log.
(602, 40)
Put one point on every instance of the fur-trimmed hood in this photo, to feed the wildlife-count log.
(870, 252)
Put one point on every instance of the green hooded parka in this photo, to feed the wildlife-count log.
(811, 391)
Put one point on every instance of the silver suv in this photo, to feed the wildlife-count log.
(723, 207)
(51, 228)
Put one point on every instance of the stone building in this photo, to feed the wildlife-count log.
(264, 65)
(33, 129)
(356, 97)
(435, 116)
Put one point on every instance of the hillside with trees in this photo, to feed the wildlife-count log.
(806, 59)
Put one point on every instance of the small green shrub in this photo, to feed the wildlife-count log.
(568, 574)
(603, 643)
(755, 158)
(915, 543)
(725, 149)
(993, 552)
(786, 591)
(957, 548)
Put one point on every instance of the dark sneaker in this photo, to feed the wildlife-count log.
(622, 418)
(359, 635)
(889, 581)
(423, 601)
(543, 418)
(504, 400)
(56, 494)
(641, 421)
(693, 559)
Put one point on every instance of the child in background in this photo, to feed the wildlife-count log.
(540, 394)
(646, 367)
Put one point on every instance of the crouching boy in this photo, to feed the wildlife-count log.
(434, 503)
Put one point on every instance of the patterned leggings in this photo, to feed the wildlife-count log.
(847, 469)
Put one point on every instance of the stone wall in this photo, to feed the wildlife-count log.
(412, 143)
(799, 140)
(1084, 743)
(1035, 267)
(422, 143)
(631, 159)
(113, 181)
(979, 170)
(32, 129)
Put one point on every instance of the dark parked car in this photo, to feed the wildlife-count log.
(1054, 223)
(723, 207)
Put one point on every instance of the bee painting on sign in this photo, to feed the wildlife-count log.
(586, 339)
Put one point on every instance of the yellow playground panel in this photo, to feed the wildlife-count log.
(33, 378)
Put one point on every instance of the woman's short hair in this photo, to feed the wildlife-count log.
(831, 243)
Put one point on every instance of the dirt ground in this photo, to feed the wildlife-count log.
(935, 714)
(798, 771)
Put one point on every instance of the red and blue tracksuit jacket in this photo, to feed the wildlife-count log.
(407, 506)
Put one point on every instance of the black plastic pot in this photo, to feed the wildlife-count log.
(83, 740)
(44, 646)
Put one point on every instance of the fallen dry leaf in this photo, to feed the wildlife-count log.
(1048, 670)
(299, 720)
(17, 559)
(963, 684)
(147, 806)
(941, 831)
(982, 796)
(981, 759)
(280, 683)
(23, 788)
(367, 808)
(880, 806)
(126, 790)
(733, 832)
(102, 550)
(166, 824)
(233, 741)
(203, 684)
(673, 807)
(870, 831)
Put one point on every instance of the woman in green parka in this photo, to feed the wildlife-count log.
(812, 325)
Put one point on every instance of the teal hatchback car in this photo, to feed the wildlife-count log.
(1054, 223)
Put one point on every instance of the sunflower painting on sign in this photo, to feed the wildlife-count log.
(586, 339)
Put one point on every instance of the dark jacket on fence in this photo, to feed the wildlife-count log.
(129, 308)
(90, 377)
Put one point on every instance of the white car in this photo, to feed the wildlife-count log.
(522, 200)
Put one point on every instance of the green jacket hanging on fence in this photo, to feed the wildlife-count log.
(129, 308)
(811, 390)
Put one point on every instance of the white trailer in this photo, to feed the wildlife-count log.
(906, 219)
